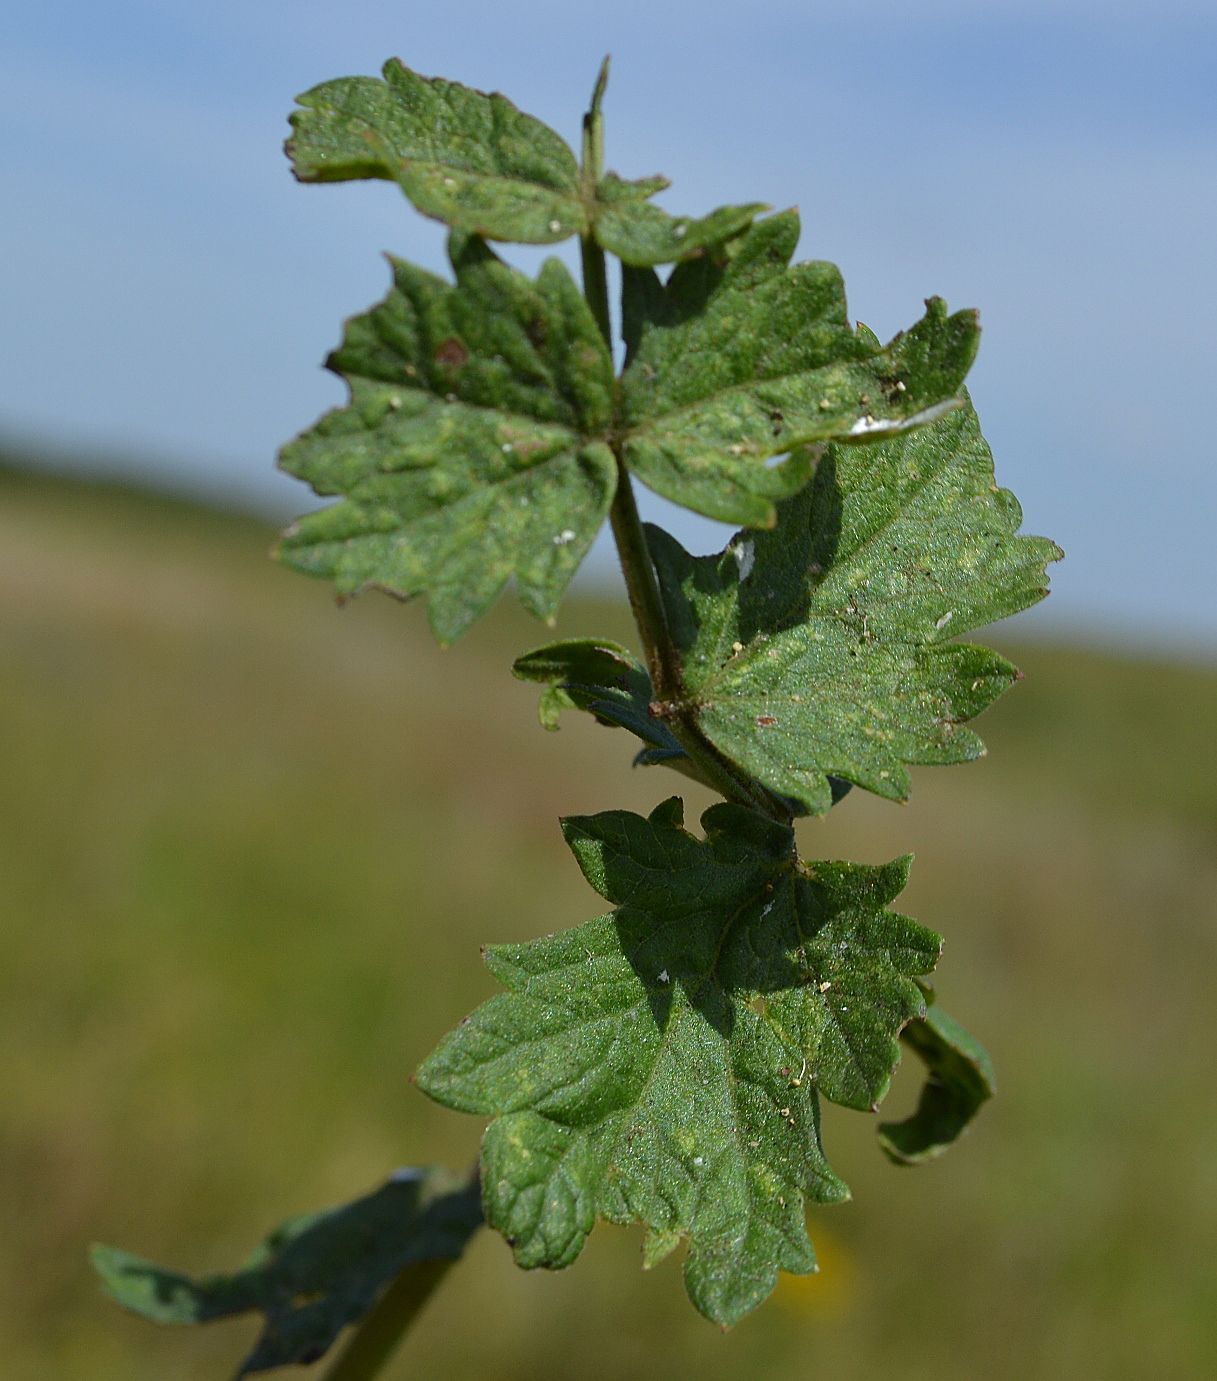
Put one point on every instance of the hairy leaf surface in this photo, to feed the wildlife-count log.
(314, 1275)
(480, 165)
(467, 454)
(822, 648)
(664, 1062)
(959, 1080)
(741, 357)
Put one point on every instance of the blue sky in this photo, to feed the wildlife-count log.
(169, 291)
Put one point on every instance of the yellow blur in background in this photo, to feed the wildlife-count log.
(250, 844)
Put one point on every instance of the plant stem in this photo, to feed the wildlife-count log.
(595, 282)
(646, 603)
(379, 1332)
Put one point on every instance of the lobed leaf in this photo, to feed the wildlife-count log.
(468, 453)
(664, 1062)
(821, 647)
(469, 159)
(480, 165)
(314, 1275)
(742, 358)
(959, 1081)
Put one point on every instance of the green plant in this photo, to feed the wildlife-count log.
(663, 1063)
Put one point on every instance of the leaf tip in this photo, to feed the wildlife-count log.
(602, 77)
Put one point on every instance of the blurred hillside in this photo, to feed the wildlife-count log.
(249, 846)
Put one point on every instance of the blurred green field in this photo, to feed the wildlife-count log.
(249, 846)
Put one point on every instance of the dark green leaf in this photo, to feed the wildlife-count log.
(478, 164)
(663, 1062)
(821, 647)
(603, 678)
(959, 1080)
(740, 358)
(315, 1274)
(467, 454)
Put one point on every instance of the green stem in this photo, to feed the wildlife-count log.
(646, 603)
(376, 1337)
(663, 659)
(595, 281)
(662, 656)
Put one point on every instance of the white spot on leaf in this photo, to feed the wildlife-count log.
(867, 425)
(745, 553)
(563, 538)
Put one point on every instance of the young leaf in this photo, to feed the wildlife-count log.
(959, 1080)
(664, 1062)
(478, 164)
(642, 234)
(821, 647)
(607, 681)
(466, 455)
(314, 1275)
(740, 360)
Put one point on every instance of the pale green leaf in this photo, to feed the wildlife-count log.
(475, 162)
(468, 454)
(314, 1275)
(642, 234)
(740, 358)
(823, 647)
(469, 159)
(663, 1062)
(959, 1080)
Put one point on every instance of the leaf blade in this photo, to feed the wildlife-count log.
(470, 452)
(821, 649)
(603, 678)
(462, 156)
(474, 161)
(314, 1275)
(646, 1065)
(959, 1081)
(749, 358)
(642, 234)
